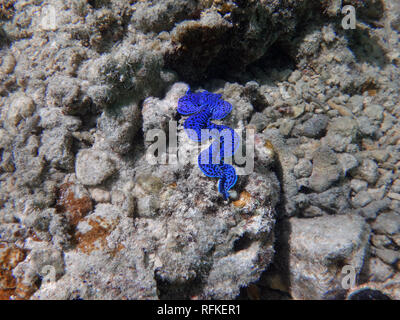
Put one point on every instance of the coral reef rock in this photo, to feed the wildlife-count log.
(92, 206)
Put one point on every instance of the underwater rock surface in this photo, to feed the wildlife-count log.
(85, 214)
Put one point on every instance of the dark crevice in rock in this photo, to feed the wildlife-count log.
(281, 206)
(305, 190)
(368, 294)
(242, 243)
(204, 52)
(366, 48)
(177, 291)
(278, 268)
(183, 290)
(368, 11)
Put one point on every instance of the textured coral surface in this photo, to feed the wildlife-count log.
(85, 214)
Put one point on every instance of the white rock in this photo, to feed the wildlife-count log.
(319, 248)
(92, 166)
